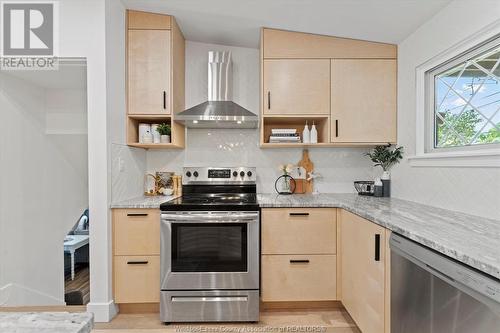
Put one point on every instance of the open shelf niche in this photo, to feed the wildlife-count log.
(296, 122)
(176, 137)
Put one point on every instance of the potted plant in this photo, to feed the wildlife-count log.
(386, 157)
(165, 130)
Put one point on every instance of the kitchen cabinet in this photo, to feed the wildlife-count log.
(155, 76)
(297, 86)
(363, 97)
(136, 255)
(149, 72)
(299, 278)
(299, 261)
(347, 87)
(364, 271)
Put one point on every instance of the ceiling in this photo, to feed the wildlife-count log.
(237, 22)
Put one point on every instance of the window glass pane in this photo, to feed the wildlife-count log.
(467, 102)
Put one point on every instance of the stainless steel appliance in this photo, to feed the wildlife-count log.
(210, 248)
(433, 293)
(219, 111)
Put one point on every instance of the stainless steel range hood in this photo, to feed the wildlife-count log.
(219, 111)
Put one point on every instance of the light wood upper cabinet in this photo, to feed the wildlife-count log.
(296, 86)
(148, 71)
(363, 97)
(363, 271)
(291, 44)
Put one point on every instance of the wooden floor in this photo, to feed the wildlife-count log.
(80, 283)
(335, 320)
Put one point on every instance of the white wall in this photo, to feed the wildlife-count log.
(338, 166)
(470, 190)
(43, 192)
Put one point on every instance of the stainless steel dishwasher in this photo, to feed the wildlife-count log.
(431, 293)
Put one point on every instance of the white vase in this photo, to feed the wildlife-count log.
(147, 137)
(386, 175)
(165, 139)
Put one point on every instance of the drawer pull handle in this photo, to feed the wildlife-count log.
(145, 262)
(269, 100)
(299, 214)
(299, 261)
(137, 214)
(336, 128)
(164, 100)
(377, 247)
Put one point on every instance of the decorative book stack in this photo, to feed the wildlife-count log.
(284, 135)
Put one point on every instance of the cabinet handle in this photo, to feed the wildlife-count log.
(336, 128)
(300, 261)
(145, 262)
(164, 100)
(137, 214)
(299, 214)
(377, 247)
(269, 100)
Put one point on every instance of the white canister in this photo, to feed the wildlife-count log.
(147, 137)
(154, 131)
(143, 129)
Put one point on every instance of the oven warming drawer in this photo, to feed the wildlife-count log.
(213, 305)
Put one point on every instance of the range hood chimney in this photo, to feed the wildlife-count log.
(219, 111)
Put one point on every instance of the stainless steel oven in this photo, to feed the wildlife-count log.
(210, 250)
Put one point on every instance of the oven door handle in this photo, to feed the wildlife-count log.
(214, 218)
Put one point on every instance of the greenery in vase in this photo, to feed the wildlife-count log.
(385, 156)
(164, 129)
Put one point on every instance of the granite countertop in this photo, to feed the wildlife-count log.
(143, 202)
(470, 239)
(46, 322)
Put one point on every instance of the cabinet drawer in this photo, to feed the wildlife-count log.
(137, 279)
(299, 278)
(136, 231)
(298, 231)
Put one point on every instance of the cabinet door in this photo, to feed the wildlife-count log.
(137, 279)
(363, 96)
(363, 271)
(296, 86)
(149, 72)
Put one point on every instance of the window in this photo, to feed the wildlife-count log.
(463, 100)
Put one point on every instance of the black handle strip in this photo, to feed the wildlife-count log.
(164, 100)
(299, 214)
(377, 247)
(336, 128)
(299, 261)
(137, 214)
(269, 100)
(137, 262)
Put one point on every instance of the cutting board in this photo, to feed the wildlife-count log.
(308, 165)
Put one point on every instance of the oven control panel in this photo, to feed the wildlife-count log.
(229, 175)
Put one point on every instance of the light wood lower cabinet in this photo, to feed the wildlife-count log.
(299, 261)
(299, 277)
(136, 255)
(299, 231)
(137, 279)
(364, 271)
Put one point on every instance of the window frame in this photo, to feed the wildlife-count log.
(426, 155)
(430, 142)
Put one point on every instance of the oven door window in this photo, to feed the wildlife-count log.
(209, 247)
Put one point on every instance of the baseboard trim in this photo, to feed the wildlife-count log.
(300, 305)
(103, 312)
(139, 307)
